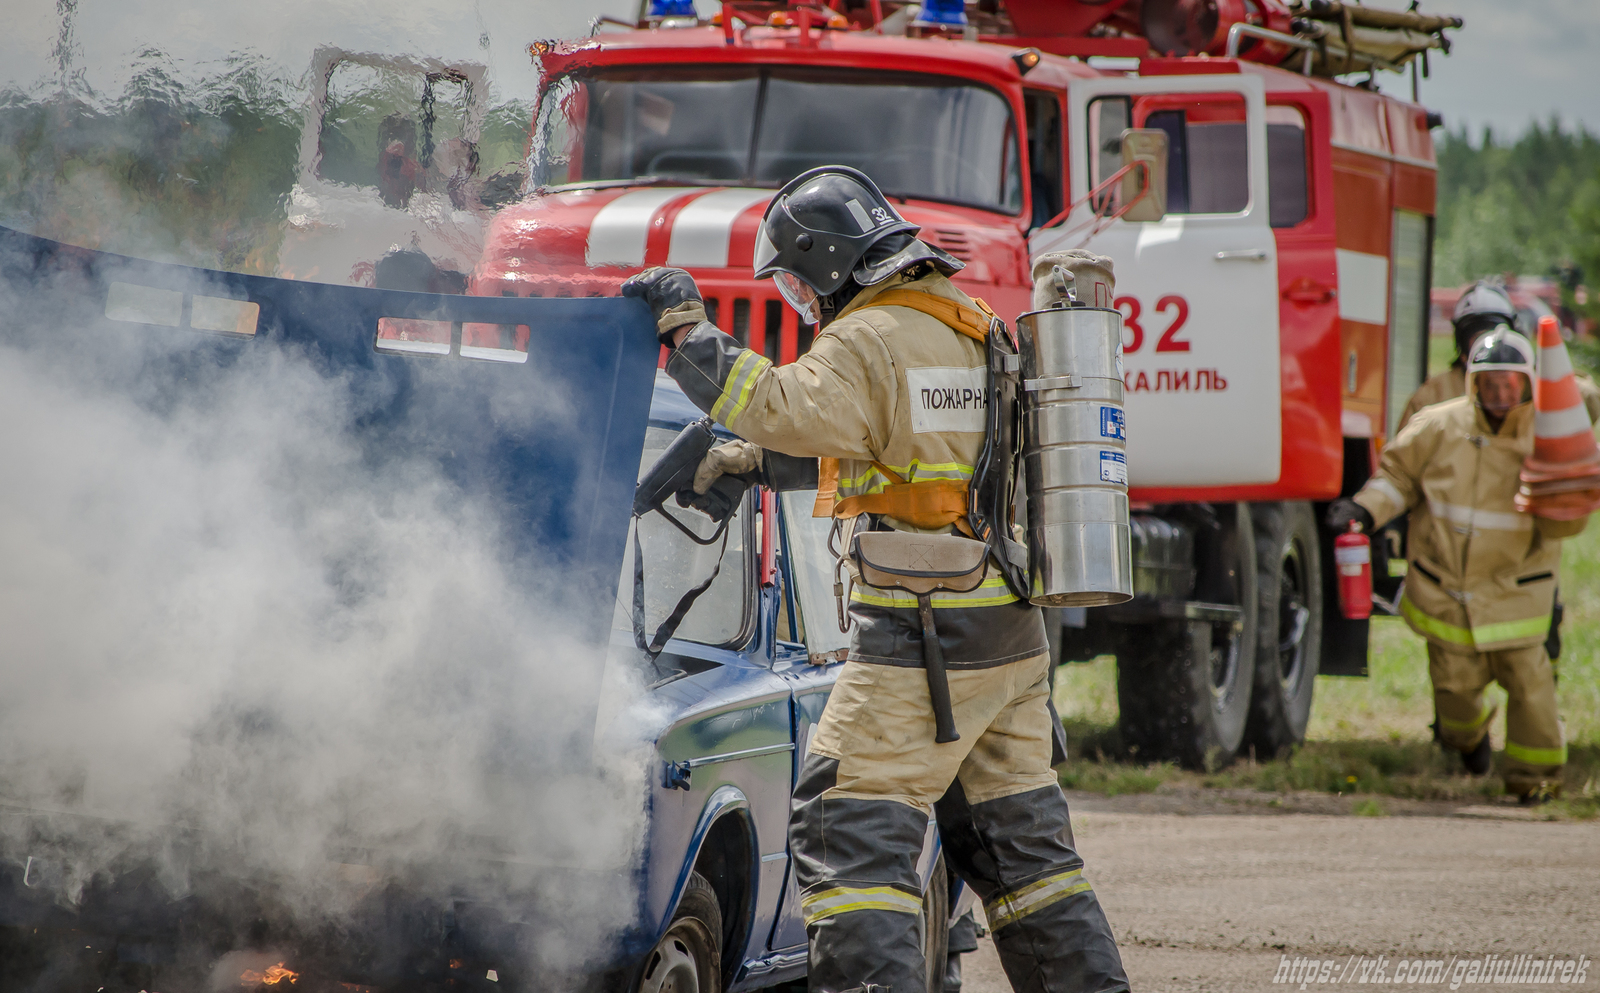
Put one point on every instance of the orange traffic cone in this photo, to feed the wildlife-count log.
(1561, 479)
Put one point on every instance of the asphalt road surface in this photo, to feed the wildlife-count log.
(1213, 899)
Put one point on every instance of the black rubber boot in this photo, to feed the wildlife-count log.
(1480, 759)
(952, 973)
(1539, 795)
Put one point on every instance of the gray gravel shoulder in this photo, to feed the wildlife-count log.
(1202, 898)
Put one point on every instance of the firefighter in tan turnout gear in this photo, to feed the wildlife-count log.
(1484, 307)
(1482, 575)
(890, 398)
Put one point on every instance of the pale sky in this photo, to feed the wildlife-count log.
(1513, 61)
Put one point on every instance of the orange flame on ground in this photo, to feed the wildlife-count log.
(269, 977)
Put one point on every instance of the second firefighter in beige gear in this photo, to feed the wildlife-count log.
(1482, 576)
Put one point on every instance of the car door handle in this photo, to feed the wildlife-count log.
(1243, 255)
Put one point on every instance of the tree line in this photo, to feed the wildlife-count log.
(1529, 205)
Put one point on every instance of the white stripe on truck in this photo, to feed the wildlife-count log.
(617, 236)
(702, 231)
(1363, 286)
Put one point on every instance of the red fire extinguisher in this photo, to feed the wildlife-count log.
(1352, 554)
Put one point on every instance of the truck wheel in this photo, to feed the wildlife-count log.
(933, 924)
(688, 958)
(1289, 651)
(1183, 686)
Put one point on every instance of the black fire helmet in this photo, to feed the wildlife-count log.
(822, 228)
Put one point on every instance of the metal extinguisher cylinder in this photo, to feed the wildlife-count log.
(1352, 556)
(1075, 455)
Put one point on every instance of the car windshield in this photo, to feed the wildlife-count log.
(922, 136)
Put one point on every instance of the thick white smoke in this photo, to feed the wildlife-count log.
(221, 613)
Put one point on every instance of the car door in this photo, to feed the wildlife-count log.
(1198, 289)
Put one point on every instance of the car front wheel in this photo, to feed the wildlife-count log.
(688, 958)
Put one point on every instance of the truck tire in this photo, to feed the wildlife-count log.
(1183, 686)
(1289, 605)
(688, 958)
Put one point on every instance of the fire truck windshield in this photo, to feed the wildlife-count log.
(919, 136)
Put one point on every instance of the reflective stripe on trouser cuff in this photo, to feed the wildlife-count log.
(1472, 725)
(992, 592)
(736, 388)
(843, 899)
(1536, 756)
(1012, 907)
(1488, 634)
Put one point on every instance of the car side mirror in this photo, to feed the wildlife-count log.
(1144, 188)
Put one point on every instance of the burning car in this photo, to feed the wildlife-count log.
(638, 842)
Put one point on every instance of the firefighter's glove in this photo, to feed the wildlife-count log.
(734, 458)
(673, 299)
(1344, 510)
(722, 478)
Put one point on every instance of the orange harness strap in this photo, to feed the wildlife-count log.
(958, 317)
(929, 503)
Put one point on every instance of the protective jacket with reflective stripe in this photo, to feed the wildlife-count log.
(1482, 575)
(885, 385)
(882, 386)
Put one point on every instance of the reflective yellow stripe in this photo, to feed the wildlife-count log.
(736, 388)
(1536, 756)
(1487, 634)
(1432, 625)
(1507, 630)
(871, 481)
(1013, 907)
(1472, 725)
(941, 470)
(843, 899)
(874, 481)
(971, 598)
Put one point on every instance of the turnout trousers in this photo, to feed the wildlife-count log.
(1535, 751)
(871, 778)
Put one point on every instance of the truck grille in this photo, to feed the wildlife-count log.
(953, 241)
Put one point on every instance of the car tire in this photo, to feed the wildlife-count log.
(933, 925)
(1289, 606)
(1184, 686)
(688, 958)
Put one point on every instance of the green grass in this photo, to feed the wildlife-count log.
(1441, 352)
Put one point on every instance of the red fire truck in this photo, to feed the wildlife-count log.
(1275, 315)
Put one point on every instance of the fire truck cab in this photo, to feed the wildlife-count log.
(1275, 314)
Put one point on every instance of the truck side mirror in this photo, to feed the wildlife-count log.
(1145, 188)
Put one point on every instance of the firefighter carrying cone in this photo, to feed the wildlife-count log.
(1482, 569)
(1484, 307)
(896, 339)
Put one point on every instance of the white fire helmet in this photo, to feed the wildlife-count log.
(1502, 349)
(1484, 299)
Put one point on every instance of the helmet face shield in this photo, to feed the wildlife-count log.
(1502, 350)
(798, 293)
